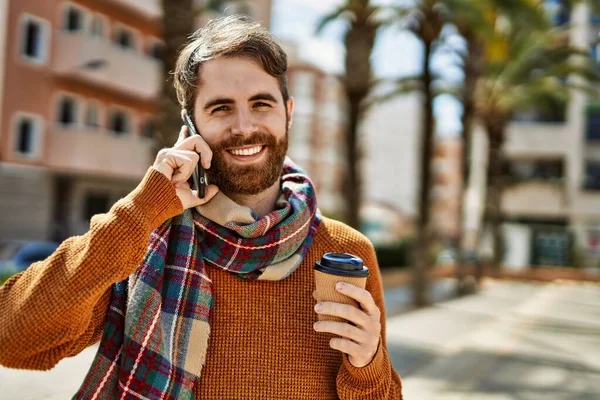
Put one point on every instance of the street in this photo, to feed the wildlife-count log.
(512, 340)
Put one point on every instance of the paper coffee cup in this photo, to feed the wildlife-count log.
(334, 268)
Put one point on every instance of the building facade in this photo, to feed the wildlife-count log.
(79, 81)
(551, 206)
(317, 132)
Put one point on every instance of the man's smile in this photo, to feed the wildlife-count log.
(247, 153)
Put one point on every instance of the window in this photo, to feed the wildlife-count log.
(593, 122)
(91, 116)
(67, 111)
(592, 176)
(124, 39)
(34, 39)
(97, 28)
(148, 129)
(525, 170)
(26, 135)
(119, 123)
(73, 20)
(95, 203)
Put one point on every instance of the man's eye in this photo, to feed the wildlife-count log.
(221, 108)
(261, 104)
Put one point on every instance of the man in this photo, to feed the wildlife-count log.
(209, 298)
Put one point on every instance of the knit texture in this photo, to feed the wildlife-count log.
(158, 325)
(326, 291)
(262, 346)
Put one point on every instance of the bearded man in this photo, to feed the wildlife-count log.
(209, 298)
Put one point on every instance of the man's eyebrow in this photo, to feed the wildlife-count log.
(263, 96)
(217, 102)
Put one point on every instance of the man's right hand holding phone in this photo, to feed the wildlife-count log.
(178, 163)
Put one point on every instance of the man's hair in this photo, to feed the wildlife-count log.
(233, 36)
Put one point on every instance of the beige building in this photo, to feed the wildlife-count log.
(552, 205)
(78, 87)
(316, 135)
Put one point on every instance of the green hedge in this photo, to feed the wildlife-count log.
(394, 255)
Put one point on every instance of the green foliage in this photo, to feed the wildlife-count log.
(397, 255)
(4, 277)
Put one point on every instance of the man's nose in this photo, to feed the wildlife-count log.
(244, 123)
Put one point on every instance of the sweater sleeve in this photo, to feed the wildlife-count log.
(377, 380)
(56, 307)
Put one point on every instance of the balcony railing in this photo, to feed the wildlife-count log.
(101, 152)
(534, 198)
(99, 61)
(148, 8)
(537, 139)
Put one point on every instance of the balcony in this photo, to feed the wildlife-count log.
(534, 198)
(78, 149)
(99, 61)
(537, 140)
(147, 8)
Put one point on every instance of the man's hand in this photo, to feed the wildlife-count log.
(178, 163)
(359, 341)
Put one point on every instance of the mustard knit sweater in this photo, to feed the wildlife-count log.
(262, 343)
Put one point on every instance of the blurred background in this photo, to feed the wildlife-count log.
(461, 136)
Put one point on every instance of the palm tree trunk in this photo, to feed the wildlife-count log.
(495, 130)
(178, 23)
(354, 182)
(472, 70)
(359, 43)
(421, 254)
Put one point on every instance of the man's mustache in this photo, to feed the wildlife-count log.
(240, 141)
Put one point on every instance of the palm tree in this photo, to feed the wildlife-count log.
(524, 67)
(359, 41)
(425, 20)
(476, 25)
(179, 19)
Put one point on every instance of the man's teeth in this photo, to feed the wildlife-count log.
(246, 152)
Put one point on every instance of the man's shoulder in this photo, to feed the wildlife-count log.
(339, 237)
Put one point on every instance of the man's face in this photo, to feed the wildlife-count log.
(239, 111)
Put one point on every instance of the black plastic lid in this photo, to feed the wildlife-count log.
(342, 264)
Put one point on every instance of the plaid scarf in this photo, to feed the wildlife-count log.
(158, 323)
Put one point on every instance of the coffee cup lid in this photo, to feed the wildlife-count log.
(343, 264)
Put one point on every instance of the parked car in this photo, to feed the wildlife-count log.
(446, 257)
(17, 255)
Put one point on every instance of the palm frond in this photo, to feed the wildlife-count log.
(399, 87)
(344, 11)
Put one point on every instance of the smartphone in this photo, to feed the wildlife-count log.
(199, 175)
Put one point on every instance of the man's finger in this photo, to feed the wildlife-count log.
(183, 133)
(343, 329)
(345, 311)
(362, 296)
(196, 143)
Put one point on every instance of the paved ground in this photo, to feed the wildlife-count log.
(511, 341)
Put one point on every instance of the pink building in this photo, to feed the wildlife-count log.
(78, 86)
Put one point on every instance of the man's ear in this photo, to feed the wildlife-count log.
(290, 111)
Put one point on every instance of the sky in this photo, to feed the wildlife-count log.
(396, 53)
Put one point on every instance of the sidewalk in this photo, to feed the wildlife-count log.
(512, 341)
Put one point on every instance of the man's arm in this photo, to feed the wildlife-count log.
(56, 307)
(376, 380)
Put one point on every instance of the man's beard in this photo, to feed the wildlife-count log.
(247, 179)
